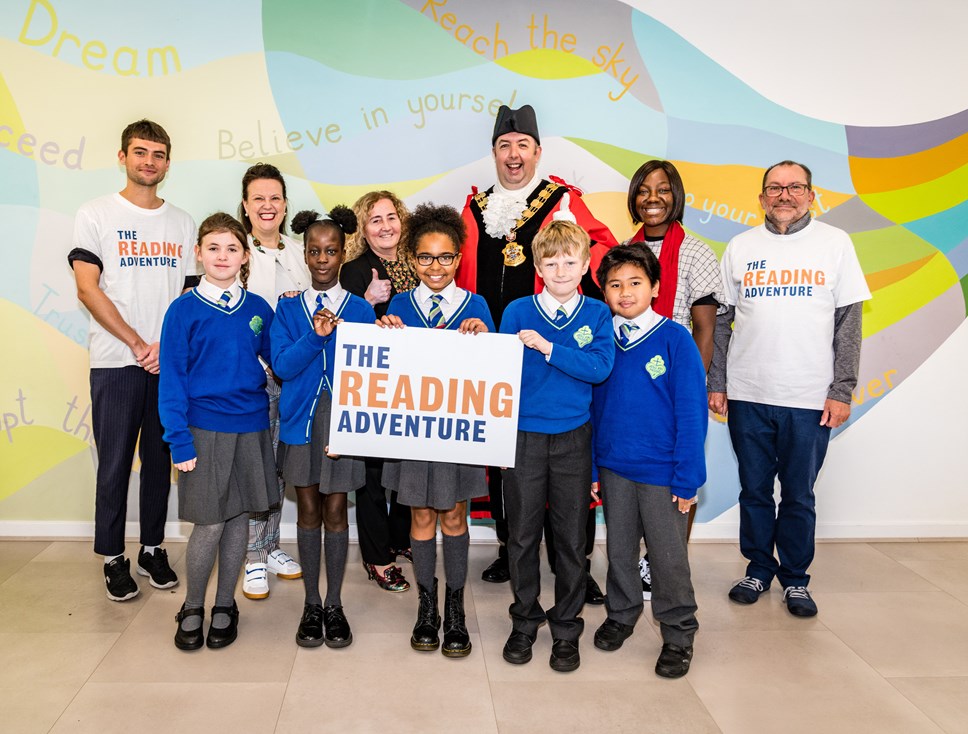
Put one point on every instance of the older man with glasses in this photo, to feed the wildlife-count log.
(784, 366)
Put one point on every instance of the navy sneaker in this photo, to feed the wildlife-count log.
(747, 590)
(799, 602)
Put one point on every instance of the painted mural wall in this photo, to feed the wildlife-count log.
(345, 97)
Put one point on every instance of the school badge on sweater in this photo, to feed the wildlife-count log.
(656, 367)
(583, 336)
(255, 323)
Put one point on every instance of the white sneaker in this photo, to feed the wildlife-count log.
(646, 573)
(283, 565)
(255, 585)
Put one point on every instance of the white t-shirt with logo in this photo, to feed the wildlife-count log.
(145, 256)
(785, 289)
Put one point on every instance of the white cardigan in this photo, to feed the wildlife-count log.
(262, 269)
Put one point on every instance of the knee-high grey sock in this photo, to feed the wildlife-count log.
(200, 559)
(424, 561)
(231, 553)
(337, 544)
(455, 559)
(309, 549)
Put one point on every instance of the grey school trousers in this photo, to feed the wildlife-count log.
(631, 511)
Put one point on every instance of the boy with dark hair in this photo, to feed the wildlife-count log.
(649, 421)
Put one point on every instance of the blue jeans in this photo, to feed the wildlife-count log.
(771, 441)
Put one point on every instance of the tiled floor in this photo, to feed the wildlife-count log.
(888, 653)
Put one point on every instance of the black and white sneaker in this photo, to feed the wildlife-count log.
(117, 577)
(155, 567)
(646, 573)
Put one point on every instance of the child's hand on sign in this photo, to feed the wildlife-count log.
(533, 340)
(390, 320)
(472, 326)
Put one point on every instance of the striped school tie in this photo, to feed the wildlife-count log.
(561, 315)
(223, 301)
(625, 332)
(436, 316)
(319, 303)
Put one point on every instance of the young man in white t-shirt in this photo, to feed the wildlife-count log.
(786, 354)
(132, 254)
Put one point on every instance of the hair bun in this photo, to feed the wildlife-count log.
(344, 218)
(303, 220)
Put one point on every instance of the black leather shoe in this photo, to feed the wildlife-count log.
(612, 634)
(425, 637)
(673, 661)
(593, 592)
(564, 656)
(498, 572)
(193, 640)
(310, 632)
(224, 636)
(457, 643)
(337, 628)
(517, 650)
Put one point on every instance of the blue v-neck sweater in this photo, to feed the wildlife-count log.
(210, 376)
(556, 394)
(649, 417)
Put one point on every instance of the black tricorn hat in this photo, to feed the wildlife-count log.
(522, 120)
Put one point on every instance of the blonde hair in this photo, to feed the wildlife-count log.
(356, 244)
(561, 238)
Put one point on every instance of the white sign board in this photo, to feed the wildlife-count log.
(428, 394)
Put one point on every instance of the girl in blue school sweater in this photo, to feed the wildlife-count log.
(303, 350)
(649, 422)
(437, 490)
(215, 412)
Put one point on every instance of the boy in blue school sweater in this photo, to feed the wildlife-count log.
(570, 348)
(650, 422)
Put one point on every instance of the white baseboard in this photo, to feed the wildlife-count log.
(702, 532)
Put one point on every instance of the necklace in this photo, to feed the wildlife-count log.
(258, 245)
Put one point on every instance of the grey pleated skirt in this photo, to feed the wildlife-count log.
(433, 483)
(306, 464)
(235, 474)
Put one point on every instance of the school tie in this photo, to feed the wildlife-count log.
(561, 315)
(223, 301)
(436, 316)
(319, 302)
(625, 332)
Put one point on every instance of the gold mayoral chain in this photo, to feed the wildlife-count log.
(514, 252)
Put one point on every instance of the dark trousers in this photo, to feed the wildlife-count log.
(790, 444)
(552, 471)
(495, 497)
(549, 536)
(380, 530)
(634, 510)
(124, 404)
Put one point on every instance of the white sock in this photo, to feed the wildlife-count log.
(108, 559)
(149, 549)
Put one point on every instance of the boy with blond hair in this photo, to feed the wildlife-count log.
(570, 348)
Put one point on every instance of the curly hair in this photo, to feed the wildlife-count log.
(357, 244)
(341, 221)
(430, 219)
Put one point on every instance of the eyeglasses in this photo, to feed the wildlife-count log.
(426, 259)
(795, 190)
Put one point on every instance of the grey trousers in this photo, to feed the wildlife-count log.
(631, 511)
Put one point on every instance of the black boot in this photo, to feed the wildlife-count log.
(425, 637)
(457, 643)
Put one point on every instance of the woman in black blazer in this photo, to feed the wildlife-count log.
(374, 272)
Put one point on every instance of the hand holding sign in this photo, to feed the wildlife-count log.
(378, 291)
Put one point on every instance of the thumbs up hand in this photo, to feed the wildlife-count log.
(378, 291)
